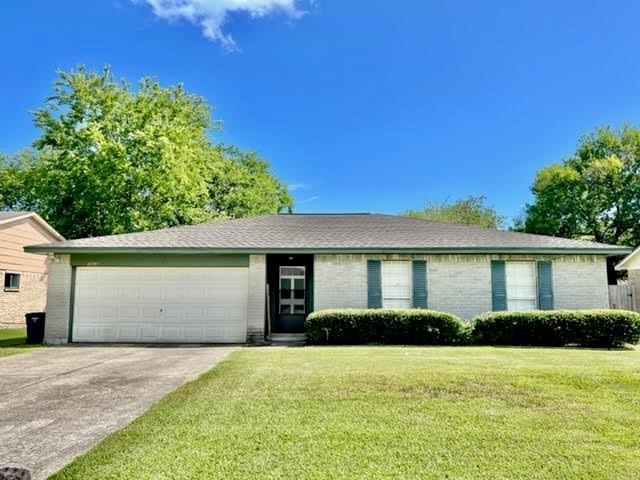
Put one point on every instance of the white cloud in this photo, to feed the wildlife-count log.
(299, 186)
(211, 15)
(307, 200)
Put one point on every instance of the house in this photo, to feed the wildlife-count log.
(24, 275)
(631, 263)
(228, 281)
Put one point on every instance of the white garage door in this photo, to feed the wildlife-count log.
(134, 304)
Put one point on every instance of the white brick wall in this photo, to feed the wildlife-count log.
(580, 281)
(340, 281)
(460, 284)
(257, 297)
(58, 299)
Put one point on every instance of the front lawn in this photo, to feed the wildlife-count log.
(388, 412)
(12, 341)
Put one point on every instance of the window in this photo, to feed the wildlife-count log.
(522, 292)
(292, 290)
(396, 284)
(12, 281)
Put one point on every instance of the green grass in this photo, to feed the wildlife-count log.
(388, 412)
(12, 341)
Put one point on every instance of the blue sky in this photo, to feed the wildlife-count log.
(360, 105)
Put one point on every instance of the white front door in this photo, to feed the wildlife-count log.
(157, 304)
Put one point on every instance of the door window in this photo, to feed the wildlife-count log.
(292, 290)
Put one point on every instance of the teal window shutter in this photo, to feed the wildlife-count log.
(498, 285)
(419, 284)
(374, 284)
(545, 285)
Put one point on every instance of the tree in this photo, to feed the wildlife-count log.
(242, 185)
(113, 159)
(592, 195)
(472, 210)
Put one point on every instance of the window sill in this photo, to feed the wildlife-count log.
(11, 289)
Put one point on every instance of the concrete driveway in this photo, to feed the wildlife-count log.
(56, 403)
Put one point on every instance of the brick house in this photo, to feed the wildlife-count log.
(23, 275)
(239, 280)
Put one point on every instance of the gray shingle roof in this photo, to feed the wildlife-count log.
(326, 232)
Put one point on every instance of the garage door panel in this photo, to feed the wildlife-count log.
(150, 333)
(129, 333)
(173, 293)
(118, 304)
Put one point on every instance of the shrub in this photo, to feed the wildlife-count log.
(400, 327)
(586, 328)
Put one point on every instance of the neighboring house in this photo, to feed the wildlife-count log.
(631, 263)
(210, 282)
(24, 275)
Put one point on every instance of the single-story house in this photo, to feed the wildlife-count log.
(228, 281)
(23, 275)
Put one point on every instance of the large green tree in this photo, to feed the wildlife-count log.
(112, 158)
(594, 194)
(472, 210)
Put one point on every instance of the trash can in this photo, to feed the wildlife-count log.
(35, 327)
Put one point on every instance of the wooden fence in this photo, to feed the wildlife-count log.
(621, 297)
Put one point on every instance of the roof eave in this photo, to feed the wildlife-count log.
(41, 221)
(612, 251)
(624, 263)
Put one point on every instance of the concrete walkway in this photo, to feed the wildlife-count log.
(56, 403)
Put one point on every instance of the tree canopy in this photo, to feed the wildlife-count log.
(472, 210)
(594, 194)
(113, 159)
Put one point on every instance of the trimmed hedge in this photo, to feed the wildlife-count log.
(586, 328)
(384, 326)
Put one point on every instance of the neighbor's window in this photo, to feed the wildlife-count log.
(522, 291)
(396, 284)
(11, 281)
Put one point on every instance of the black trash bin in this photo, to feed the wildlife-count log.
(35, 327)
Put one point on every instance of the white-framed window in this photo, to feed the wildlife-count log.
(11, 282)
(396, 284)
(522, 289)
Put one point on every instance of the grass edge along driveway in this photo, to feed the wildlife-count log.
(374, 412)
(13, 340)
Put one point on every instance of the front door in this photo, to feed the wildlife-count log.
(292, 294)
(290, 282)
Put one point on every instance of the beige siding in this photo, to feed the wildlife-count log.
(16, 235)
(460, 284)
(32, 268)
